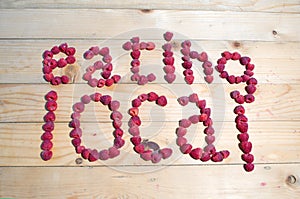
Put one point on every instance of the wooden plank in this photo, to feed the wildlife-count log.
(16, 23)
(169, 182)
(270, 145)
(275, 62)
(253, 6)
(273, 102)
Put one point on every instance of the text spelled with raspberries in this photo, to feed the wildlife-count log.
(148, 150)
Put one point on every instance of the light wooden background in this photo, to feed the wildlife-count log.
(267, 31)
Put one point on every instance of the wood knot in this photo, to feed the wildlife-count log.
(237, 44)
(291, 179)
(78, 161)
(146, 11)
(274, 32)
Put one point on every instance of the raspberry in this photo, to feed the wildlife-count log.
(150, 46)
(135, 39)
(127, 45)
(136, 140)
(209, 130)
(169, 69)
(203, 57)
(116, 78)
(231, 79)
(249, 98)
(143, 46)
(46, 145)
(227, 55)
(78, 107)
(104, 51)
(119, 142)
(224, 75)
(170, 77)
(180, 131)
(136, 120)
(133, 111)
(251, 81)
(185, 51)
(79, 149)
(210, 148)
(186, 148)
(209, 79)
(208, 71)
(196, 153)
(238, 79)
(249, 167)
(47, 69)
(225, 153)
(100, 83)
(76, 142)
(161, 101)
(186, 44)
(207, 64)
(47, 136)
(189, 79)
(113, 152)
(71, 59)
(114, 105)
(55, 50)
(243, 137)
(46, 155)
(166, 153)
(152, 96)
(151, 77)
(250, 89)
(61, 63)
(220, 68)
(49, 117)
(156, 157)
(104, 154)
(240, 110)
(118, 133)
(76, 133)
(201, 104)
(169, 60)
(93, 156)
(250, 67)
(241, 118)
(246, 147)
(142, 80)
(217, 157)
(75, 115)
(187, 64)
(139, 148)
(134, 131)
(209, 139)
(185, 123)
(245, 78)
(85, 153)
(105, 74)
(208, 122)
(193, 97)
(88, 54)
(135, 54)
(136, 102)
(143, 97)
(48, 77)
(96, 97)
(205, 157)
(168, 54)
(180, 141)
(194, 119)
(168, 36)
(47, 54)
(87, 76)
(107, 59)
(222, 60)
(85, 99)
(194, 54)
(242, 127)
(188, 72)
(183, 101)
(146, 155)
(109, 82)
(51, 105)
(95, 50)
(203, 117)
(135, 46)
(239, 99)
(167, 47)
(244, 60)
(64, 79)
(56, 81)
(117, 123)
(52, 95)
(116, 115)
(249, 158)
(105, 99)
(235, 56)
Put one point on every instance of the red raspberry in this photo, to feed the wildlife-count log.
(183, 101)
(251, 81)
(48, 126)
(239, 99)
(235, 56)
(136, 102)
(105, 74)
(240, 110)
(217, 157)
(167, 47)
(96, 97)
(116, 78)
(76, 133)
(209, 130)
(168, 54)
(100, 83)
(246, 147)
(136, 140)
(136, 120)
(166, 152)
(117, 123)
(47, 136)
(46, 145)
(75, 115)
(161, 101)
(169, 60)
(52, 95)
(135, 39)
(118, 142)
(243, 137)
(196, 153)
(227, 55)
(47, 54)
(118, 133)
(135, 46)
(194, 54)
(193, 98)
(85, 153)
(156, 157)
(189, 79)
(78, 107)
(152, 96)
(114, 105)
(203, 117)
(104, 51)
(116, 115)
(127, 45)
(93, 156)
(209, 139)
(87, 76)
(249, 73)
(186, 148)
(245, 78)
(220, 68)
(208, 71)
(250, 89)
(168, 36)
(79, 149)
(139, 148)
(209, 78)
(150, 46)
(249, 98)
(234, 94)
(135, 54)
(63, 47)
(71, 59)
(225, 153)
(185, 123)
(134, 111)
(249, 158)
(203, 57)
(170, 77)
(46, 155)
(210, 148)
(242, 127)
(187, 64)
(88, 54)
(105, 99)
(55, 50)
(201, 104)
(250, 66)
(194, 119)
(104, 155)
(95, 50)
(61, 63)
(146, 155)
(135, 63)
(205, 157)
(56, 81)
(238, 79)
(98, 65)
(143, 46)
(48, 77)
(47, 69)
(181, 141)
(224, 75)
(143, 97)
(207, 64)
(249, 167)
(76, 142)
(222, 60)
(51, 105)
(231, 79)
(188, 72)
(142, 80)
(208, 122)
(186, 44)
(244, 60)
(85, 99)
(64, 79)
(109, 82)
(49, 117)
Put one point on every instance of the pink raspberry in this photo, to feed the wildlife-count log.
(146, 155)
(87, 76)
(116, 115)
(236, 56)
(85, 99)
(186, 44)
(245, 78)
(93, 82)
(104, 51)
(161, 101)
(105, 99)
(166, 152)
(186, 148)
(180, 131)
(196, 153)
(46, 145)
(71, 59)
(246, 146)
(249, 98)
(75, 115)
(210, 148)
(113, 152)
(133, 111)
(64, 79)
(119, 142)
(193, 98)
(88, 54)
(143, 97)
(170, 77)
(205, 157)
(208, 122)
(203, 57)
(249, 158)
(240, 110)
(139, 148)
(249, 73)
(217, 157)
(220, 68)
(49, 117)
(143, 46)
(98, 65)
(185, 123)
(207, 64)
(96, 97)
(167, 47)
(95, 50)
(93, 156)
(156, 157)
(209, 79)
(134, 130)
(209, 130)
(142, 80)
(100, 83)
(249, 167)
(78, 107)
(116, 78)
(114, 105)
(222, 60)
(46, 155)
(243, 137)
(55, 50)
(234, 94)
(168, 36)
(194, 54)
(189, 79)
(208, 71)
(51, 105)
(203, 117)
(152, 96)
(76, 133)
(76, 142)
(47, 136)
(209, 139)
(136, 120)
(135, 63)
(194, 119)
(127, 45)
(118, 133)
(52, 95)
(135, 46)
(136, 140)
(151, 77)
(169, 69)
(135, 69)
(117, 123)
(150, 46)
(183, 101)
(104, 154)
(244, 60)
(135, 39)
(206, 111)
(180, 141)
(239, 99)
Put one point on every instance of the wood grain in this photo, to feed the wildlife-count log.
(263, 135)
(253, 6)
(168, 182)
(275, 62)
(35, 23)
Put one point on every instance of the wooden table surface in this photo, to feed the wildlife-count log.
(266, 30)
